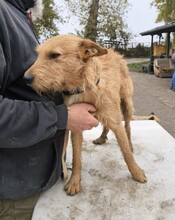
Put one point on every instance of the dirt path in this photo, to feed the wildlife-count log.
(152, 94)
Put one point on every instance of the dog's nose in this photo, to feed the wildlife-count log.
(29, 78)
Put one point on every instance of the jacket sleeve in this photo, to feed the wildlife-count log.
(24, 123)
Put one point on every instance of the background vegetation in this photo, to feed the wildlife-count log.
(102, 21)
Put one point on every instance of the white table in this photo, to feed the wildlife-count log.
(108, 190)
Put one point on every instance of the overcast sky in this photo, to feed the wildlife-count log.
(141, 17)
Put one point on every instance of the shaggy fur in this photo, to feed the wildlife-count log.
(66, 63)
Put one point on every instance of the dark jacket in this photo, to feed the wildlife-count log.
(31, 127)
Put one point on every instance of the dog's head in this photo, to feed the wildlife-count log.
(61, 63)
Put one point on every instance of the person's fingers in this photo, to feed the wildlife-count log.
(91, 108)
(81, 117)
(95, 122)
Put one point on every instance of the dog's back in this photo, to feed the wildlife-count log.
(115, 72)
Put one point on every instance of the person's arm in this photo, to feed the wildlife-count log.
(24, 124)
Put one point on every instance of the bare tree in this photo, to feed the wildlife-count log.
(101, 18)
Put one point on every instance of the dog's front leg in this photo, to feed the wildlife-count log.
(136, 171)
(73, 186)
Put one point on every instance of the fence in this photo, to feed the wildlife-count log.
(133, 49)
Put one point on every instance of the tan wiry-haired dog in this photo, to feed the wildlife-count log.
(70, 64)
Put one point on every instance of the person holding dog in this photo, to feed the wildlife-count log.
(172, 86)
(32, 127)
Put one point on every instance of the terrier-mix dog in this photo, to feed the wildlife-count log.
(71, 65)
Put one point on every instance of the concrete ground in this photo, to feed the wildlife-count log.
(153, 94)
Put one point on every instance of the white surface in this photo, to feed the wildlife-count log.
(108, 190)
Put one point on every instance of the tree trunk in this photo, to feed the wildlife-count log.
(91, 27)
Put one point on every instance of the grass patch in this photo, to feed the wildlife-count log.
(136, 67)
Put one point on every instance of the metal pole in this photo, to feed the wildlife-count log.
(151, 55)
(168, 45)
(151, 51)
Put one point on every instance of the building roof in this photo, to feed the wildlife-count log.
(170, 27)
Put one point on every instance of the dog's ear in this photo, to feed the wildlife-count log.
(89, 49)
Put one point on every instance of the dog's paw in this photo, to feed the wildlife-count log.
(72, 187)
(99, 140)
(139, 175)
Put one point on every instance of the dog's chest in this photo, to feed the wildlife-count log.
(79, 98)
(70, 100)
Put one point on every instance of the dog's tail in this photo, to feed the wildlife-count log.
(152, 116)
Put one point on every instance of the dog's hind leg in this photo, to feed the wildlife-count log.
(103, 136)
(128, 110)
(120, 133)
(135, 170)
(73, 186)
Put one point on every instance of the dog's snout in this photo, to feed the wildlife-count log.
(29, 78)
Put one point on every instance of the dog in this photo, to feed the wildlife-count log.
(86, 72)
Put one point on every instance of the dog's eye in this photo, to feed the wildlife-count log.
(54, 55)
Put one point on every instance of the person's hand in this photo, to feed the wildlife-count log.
(80, 117)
